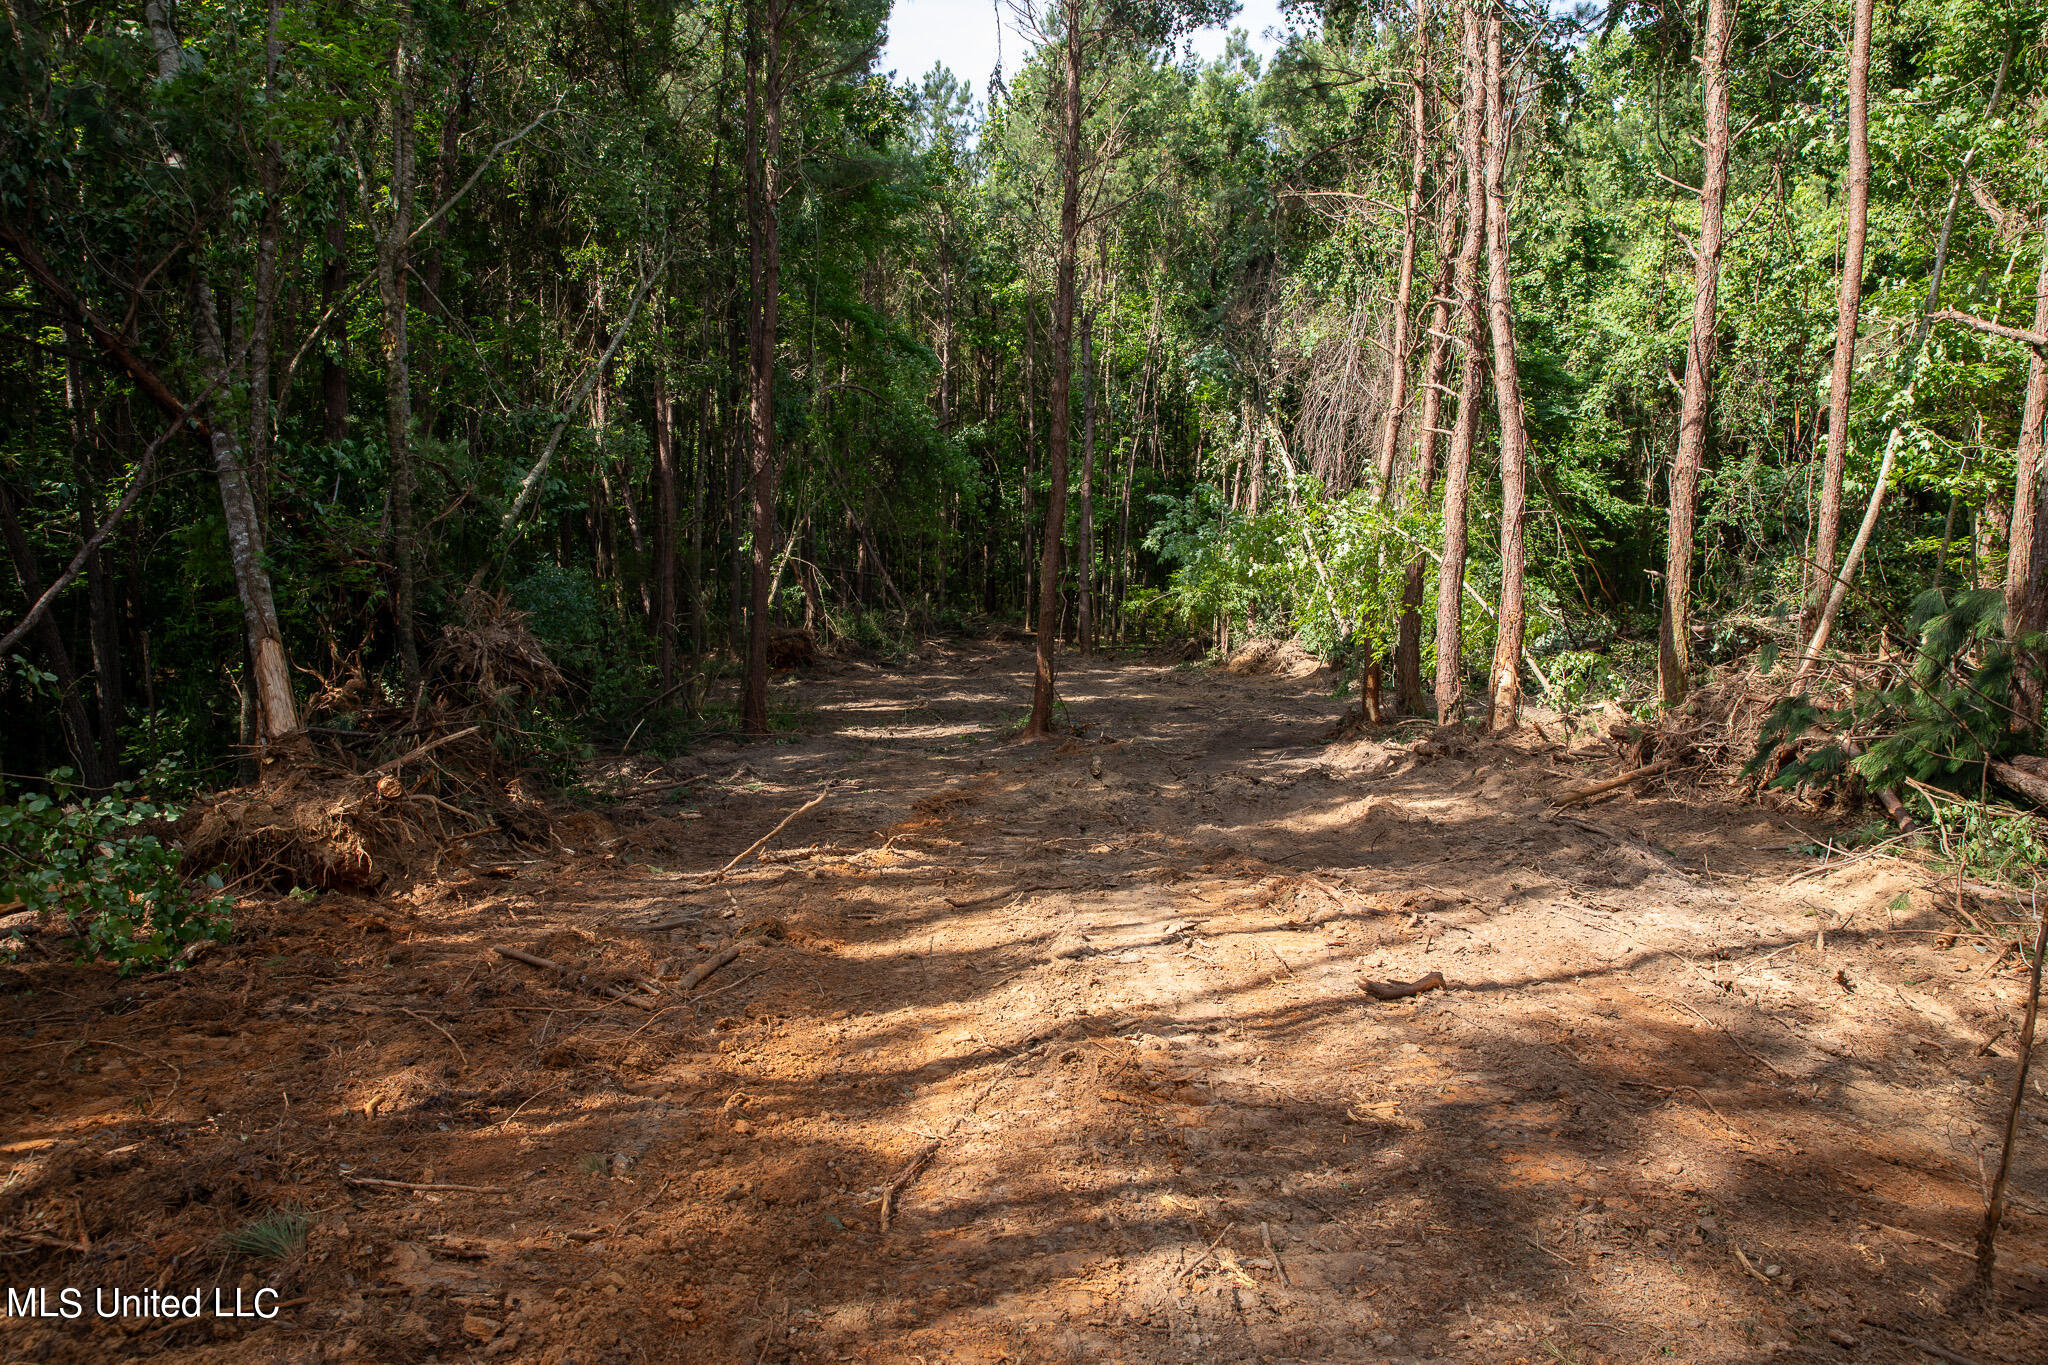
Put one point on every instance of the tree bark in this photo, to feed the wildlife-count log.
(2026, 558)
(1084, 538)
(1848, 313)
(664, 528)
(1450, 584)
(1504, 703)
(1404, 287)
(1039, 726)
(1909, 366)
(276, 713)
(764, 278)
(1674, 652)
(394, 260)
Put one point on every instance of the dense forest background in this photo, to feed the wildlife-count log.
(327, 332)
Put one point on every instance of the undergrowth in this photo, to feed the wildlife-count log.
(120, 889)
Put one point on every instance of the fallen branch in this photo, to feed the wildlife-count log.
(902, 1181)
(1401, 990)
(1573, 798)
(395, 764)
(443, 1032)
(763, 840)
(696, 975)
(1203, 1259)
(39, 1240)
(415, 1185)
(547, 964)
(1279, 1266)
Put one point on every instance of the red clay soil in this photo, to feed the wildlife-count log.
(1087, 1021)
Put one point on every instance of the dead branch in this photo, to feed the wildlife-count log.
(696, 975)
(415, 1185)
(1573, 798)
(624, 997)
(763, 840)
(431, 745)
(1401, 990)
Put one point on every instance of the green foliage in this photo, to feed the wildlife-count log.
(1987, 842)
(1329, 571)
(1936, 723)
(119, 888)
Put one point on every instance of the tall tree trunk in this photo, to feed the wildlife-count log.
(1909, 367)
(1408, 639)
(1030, 491)
(71, 715)
(394, 260)
(100, 616)
(270, 174)
(271, 690)
(664, 527)
(764, 276)
(333, 369)
(700, 481)
(2026, 557)
(1450, 581)
(1411, 222)
(1084, 539)
(1848, 313)
(1040, 724)
(1674, 652)
(276, 713)
(1504, 704)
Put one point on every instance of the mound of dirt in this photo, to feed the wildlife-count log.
(1273, 659)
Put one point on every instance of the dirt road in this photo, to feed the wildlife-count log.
(1085, 1024)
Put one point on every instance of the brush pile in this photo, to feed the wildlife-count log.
(374, 790)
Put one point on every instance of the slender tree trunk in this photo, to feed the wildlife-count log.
(700, 478)
(1450, 583)
(1848, 313)
(276, 713)
(665, 527)
(270, 173)
(764, 272)
(1909, 366)
(71, 714)
(2026, 557)
(1084, 539)
(1674, 654)
(105, 638)
(333, 369)
(1040, 724)
(1411, 222)
(394, 261)
(1408, 640)
(1030, 491)
(1504, 705)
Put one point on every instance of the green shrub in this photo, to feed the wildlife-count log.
(119, 889)
(1938, 723)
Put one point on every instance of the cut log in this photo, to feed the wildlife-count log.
(1574, 797)
(2033, 786)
